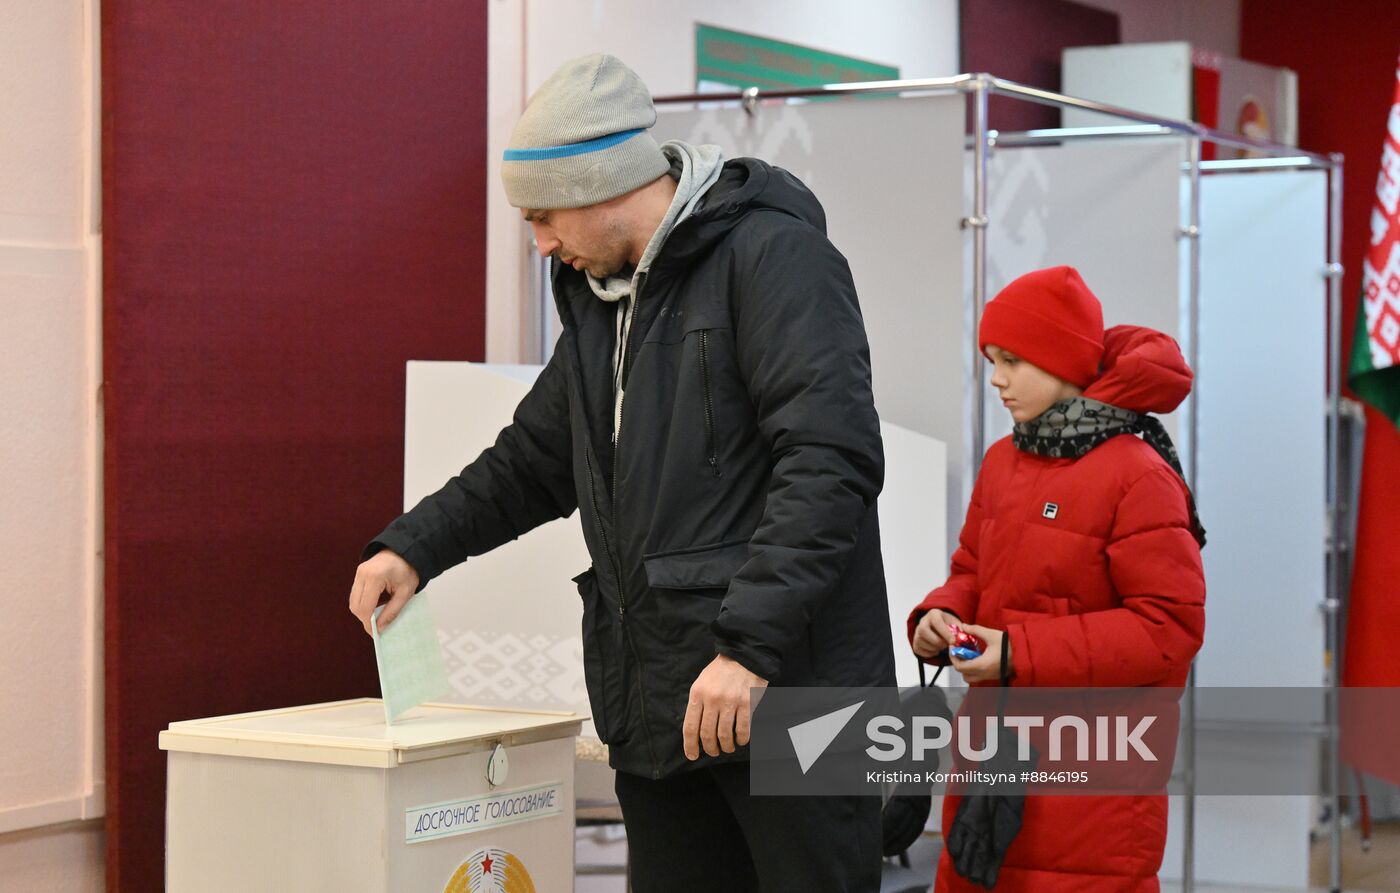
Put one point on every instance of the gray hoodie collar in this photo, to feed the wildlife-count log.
(700, 168)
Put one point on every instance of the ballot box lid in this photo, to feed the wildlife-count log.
(353, 733)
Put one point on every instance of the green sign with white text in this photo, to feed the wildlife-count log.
(727, 60)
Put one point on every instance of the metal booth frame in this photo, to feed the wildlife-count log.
(978, 88)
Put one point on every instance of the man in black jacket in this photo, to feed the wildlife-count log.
(708, 409)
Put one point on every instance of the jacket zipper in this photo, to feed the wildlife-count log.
(710, 445)
(622, 369)
(617, 448)
(598, 520)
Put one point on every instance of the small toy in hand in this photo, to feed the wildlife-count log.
(965, 645)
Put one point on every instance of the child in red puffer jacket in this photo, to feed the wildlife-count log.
(1080, 556)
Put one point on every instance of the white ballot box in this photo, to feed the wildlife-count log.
(326, 797)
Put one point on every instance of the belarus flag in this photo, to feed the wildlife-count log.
(1372, 652)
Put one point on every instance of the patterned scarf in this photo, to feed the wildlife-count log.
(1071, 428)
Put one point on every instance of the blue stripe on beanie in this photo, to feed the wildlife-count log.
(602, 142)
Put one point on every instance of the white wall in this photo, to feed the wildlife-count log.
(50, 430)
(528, 40)
(55, 859)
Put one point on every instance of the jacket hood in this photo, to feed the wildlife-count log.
(745, 185)
(1143, 371)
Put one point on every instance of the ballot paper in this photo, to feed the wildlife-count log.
(411, 670)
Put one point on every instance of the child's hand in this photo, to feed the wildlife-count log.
(932, 636)
(987, 666)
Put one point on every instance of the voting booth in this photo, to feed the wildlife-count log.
(327, 797)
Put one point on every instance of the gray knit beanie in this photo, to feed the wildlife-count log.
(583, 138)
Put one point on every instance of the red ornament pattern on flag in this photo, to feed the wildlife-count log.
(1380, 272)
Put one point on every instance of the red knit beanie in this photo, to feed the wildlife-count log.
(1051, 319)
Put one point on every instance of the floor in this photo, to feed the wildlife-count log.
(1373, 871)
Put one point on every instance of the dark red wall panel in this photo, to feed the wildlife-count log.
(1345, 56)
(294, 202)
(1021, 40)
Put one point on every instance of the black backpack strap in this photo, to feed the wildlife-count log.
(924, 682)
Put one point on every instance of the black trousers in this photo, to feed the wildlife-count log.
(703, 831)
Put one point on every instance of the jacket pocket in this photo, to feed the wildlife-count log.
(702, 567)
(601, 658)
(689, 588)
(698, 350)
